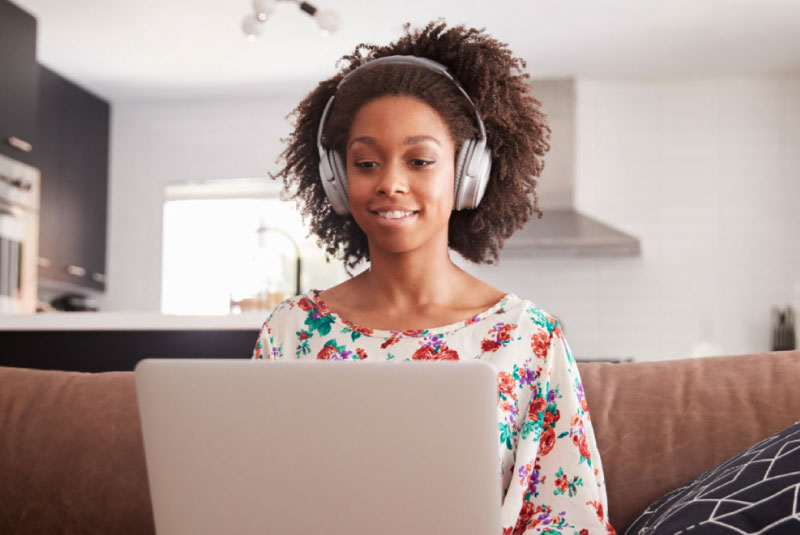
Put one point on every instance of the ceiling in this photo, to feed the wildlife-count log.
(145, 49)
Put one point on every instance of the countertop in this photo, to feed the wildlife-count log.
(128, 321)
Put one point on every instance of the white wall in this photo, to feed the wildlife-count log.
(705, 172)
(157, 143)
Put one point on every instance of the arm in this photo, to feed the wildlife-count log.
(557, 482)
(264, 344)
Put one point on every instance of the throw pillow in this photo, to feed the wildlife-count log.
(757, 491)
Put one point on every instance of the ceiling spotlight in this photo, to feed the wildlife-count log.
(328, 20)
(251, 26)
(262, 9)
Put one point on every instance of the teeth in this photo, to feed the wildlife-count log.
(395, 214)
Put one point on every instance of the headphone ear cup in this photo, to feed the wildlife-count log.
(474, 166)
(461, 169)
(339, 172)
(334, 182)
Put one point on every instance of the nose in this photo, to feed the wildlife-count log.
(392, 179)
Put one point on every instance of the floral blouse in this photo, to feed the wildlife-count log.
(551, 472)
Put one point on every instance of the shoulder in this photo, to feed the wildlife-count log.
(296, 309)
(531, 316)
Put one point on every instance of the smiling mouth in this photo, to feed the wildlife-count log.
(395, 214)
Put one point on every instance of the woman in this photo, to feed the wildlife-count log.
(425, 145)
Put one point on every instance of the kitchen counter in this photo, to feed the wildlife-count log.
(129, 321)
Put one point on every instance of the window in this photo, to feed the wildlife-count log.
(230, 247)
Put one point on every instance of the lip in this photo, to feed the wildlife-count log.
(393, 223)
(392, 209)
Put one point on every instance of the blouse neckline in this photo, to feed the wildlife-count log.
(381, 333)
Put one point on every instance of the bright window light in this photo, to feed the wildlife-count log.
(228, 248)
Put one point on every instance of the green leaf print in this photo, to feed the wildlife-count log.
(530, 427)
(322, 324)
(505, 435)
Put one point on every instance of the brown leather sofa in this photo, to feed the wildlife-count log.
(72, 461)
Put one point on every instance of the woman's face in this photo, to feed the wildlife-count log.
(400, 169)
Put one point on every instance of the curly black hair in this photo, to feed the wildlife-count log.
(516, 128)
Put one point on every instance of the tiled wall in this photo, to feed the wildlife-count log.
(705, 172)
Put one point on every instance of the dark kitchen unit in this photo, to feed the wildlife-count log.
(52, 124)
(73, 134)
(19, 82)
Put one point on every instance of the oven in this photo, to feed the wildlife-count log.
(19, 236)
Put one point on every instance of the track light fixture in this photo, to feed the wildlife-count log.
(262, 9)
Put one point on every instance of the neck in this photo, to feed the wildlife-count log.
(413, 279)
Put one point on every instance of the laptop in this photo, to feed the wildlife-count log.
(321, 447)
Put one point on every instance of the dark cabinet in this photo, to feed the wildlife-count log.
(18, 83)
(72, 156)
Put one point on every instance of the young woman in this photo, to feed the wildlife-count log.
(429, 144)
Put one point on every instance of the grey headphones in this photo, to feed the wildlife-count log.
(473, 164)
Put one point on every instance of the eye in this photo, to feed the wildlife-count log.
(365, 164)
(419, 162)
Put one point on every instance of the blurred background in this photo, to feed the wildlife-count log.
(670, 193)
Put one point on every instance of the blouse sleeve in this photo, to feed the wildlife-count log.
(557, 481)
(264, 344)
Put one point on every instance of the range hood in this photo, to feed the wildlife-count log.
(563, 231)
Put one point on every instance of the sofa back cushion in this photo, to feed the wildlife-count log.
(661, 424)
(72, 458)
(71, 454)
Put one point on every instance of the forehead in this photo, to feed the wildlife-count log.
(398, 116)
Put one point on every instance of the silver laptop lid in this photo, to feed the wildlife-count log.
(313, 447)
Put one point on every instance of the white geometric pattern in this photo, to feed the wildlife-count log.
(756, 492)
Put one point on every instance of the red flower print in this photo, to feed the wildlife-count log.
(427, 353)
(393, 339)
(527, 513)
(557, 331)
(584, 531)
(306, 304)
(562, 483)
(445, 353)
(303, 335)
(489, 346)
(361, 353)
(327, 352)
(423, 353)
(416, 332)
(321, 307)
(550, 418)
(506, 383)
(598, 509)
(584, 406)
(357, 328)
(540, 343)
(548, 440)
(583, 447)
(504, 334)
(537, 406)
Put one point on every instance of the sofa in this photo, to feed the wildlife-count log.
(72, 460)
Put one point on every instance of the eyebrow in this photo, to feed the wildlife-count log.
(411, 140)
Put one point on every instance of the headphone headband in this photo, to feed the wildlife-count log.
(402, 60)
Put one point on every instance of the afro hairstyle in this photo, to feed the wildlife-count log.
(516, 129)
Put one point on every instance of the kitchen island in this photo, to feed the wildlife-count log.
(116, 341)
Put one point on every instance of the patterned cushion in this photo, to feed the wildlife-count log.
(758, 491)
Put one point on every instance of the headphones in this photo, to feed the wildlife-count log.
(473, 164)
